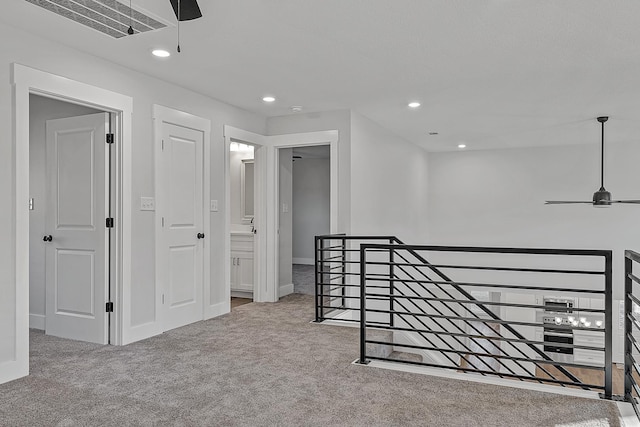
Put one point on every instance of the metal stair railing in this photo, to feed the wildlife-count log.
(337, 272)
(424, 295)
(632, 331)
(475, 339)
(488, 312)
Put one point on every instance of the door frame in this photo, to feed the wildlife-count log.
(162, 114)
(277, 142)
(266, 245)
(26, 80)
(232, 134)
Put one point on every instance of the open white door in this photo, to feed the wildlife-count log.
(76, 285)
(180, 203)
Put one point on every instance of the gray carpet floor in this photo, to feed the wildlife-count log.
(304, 279)
(261, 365)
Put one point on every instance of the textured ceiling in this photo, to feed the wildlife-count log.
(489, 73)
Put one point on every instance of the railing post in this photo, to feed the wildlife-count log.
(318, 292)
(628, 329)
(343, 281)
(363, 320)
(608, 325)
(392, 284)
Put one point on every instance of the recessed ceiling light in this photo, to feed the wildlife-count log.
(160, 53)
(462, 145)
(296, 108)
(414, 104)
(268, 99)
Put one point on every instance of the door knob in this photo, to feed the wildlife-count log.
(48, 238)
(200, 235)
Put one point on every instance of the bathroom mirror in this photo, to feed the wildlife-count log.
(246, 190)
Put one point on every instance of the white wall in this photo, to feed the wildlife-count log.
(45, 55)
(41, 109)
(382, 178)
(285, 231)
(235, 173)
(311, 206)
(496, 198)
(388, 183)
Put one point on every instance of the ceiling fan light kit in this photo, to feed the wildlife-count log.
(601, 198)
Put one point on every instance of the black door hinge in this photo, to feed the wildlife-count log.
(109, 222)
(109, 307)
(110, 138)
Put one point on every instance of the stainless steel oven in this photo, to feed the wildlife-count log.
(560, 306)
(558, 338)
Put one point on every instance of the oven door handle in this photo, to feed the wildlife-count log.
(559, 334)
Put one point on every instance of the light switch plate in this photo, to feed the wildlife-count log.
(147, 204)
(285, 208)
(214, 206)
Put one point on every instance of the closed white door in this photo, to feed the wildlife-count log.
(180, 204)
(76, 287)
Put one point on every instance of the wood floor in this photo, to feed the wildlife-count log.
(587, 376)
(236, 302)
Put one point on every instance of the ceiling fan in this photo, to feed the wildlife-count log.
(186, 10)
(601, 197)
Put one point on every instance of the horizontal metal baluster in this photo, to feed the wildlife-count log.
(516, 348)
(469, 324)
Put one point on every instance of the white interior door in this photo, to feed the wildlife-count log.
(76, 285)
(180, 195)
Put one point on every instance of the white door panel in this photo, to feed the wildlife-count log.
(182, 284)
(76, 285)
(181, 205)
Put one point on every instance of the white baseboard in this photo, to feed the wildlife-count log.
(216, 310)
(286, 290)
(306, 261)
(37, 321)
(141, 332)
(241, 294)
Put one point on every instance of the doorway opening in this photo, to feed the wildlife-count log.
(26, 81)
(71, 187)
(268, 286)
(243, 228)
(305, 212)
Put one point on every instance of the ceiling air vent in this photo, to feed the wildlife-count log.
(107, 16)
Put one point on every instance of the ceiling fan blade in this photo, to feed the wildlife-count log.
(189, 9)
(626, 201)
(566, 202)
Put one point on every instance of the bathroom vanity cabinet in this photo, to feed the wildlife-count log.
(242, 262)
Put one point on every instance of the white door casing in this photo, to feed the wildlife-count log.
(180, 204)
(232, 134)
(76, 256)
(266, 288)
(26, 80)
